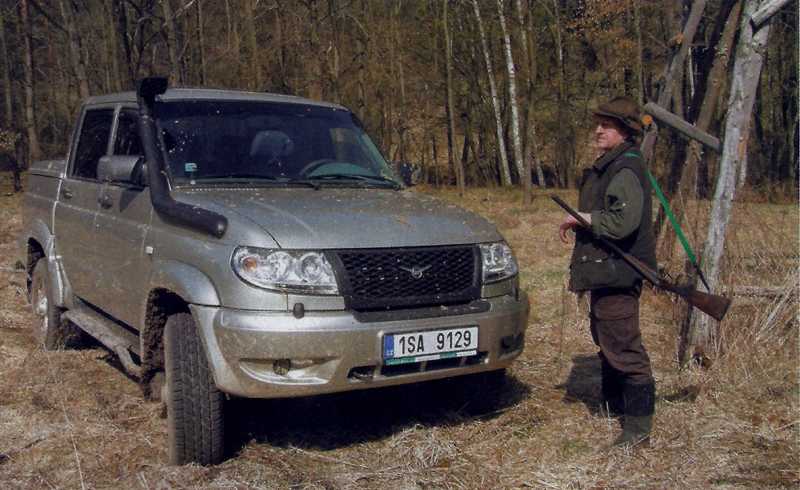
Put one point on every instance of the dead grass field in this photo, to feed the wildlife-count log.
(71, 419)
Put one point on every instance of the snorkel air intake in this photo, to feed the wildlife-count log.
(183, 214)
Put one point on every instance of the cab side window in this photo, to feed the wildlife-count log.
(93, 142)
(127, 139)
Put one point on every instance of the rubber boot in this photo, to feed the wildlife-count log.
(638, 422)
(612, 403)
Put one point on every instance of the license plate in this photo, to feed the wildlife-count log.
(430, 345)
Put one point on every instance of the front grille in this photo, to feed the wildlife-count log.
(409, 277)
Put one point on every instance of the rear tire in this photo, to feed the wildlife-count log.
(195, 407)
(53, 332)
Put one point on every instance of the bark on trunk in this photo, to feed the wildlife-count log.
(746, 72)
(74, 41)
(501, 144)
(201, 49)
(7, 88)
(171, 29)
(637, 22)
(35, 151)
(529, 130)
(251, 58)
(121, 17)
(512, 99)
(448, 57)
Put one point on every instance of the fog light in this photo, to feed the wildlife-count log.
(511, 342)
(282, 366)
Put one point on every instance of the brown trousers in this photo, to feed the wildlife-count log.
(614, 320)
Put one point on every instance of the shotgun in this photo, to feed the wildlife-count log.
(713, 305)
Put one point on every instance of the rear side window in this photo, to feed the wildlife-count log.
(127, 139)
(93, 142)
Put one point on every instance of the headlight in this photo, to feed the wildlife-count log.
(285, 270)
(498, 262)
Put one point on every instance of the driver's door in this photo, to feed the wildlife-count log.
(121, 228)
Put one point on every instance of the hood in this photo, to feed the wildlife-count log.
(330, 218)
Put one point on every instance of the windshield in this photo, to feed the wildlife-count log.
(245, 140)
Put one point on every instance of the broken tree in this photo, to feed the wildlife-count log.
(699, 333)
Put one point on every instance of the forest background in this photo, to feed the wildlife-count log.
(398, 63)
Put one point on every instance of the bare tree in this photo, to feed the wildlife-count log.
(504, 170)
(448, 56)
(746, 70)
(527, 33)
(34, 150)
(686, 173)
(7, 88)
(512, 97)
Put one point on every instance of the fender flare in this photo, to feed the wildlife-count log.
(192, 285)
(40, 232)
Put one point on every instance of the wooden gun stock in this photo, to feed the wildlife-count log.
(713, 305)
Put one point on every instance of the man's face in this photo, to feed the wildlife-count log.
(609, 133)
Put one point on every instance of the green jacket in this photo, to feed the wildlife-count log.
(617, 193)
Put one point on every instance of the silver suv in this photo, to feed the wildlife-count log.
(227, 243)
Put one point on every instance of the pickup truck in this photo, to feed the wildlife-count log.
(236, 244)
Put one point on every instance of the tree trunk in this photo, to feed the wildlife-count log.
(171, 29)
(201, 49)
(35, 151)
(121, 16)
(448, 61)
(512, 99)
(677, 61)
(687, 173)
(637, 22)
(504, 170)
(251, 55)
(529, 133)
(74, 41)
(7, 88)
(745, 78)
(563, 163)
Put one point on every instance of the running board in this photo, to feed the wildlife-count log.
(109, 333)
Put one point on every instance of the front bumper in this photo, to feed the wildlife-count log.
(258, 354)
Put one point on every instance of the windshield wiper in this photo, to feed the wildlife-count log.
(374, 179)
(252, 178)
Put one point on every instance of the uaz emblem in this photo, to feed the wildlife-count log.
(416, 272)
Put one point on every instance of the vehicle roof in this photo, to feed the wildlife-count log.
(173, 94)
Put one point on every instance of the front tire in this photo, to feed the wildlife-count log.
(195, 415)
(53, 332)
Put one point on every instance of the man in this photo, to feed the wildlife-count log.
(615, 200)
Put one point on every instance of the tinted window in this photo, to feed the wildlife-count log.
(233, 139)
(127, 140)
(93, 142)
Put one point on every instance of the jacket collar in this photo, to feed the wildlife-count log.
(601, 163)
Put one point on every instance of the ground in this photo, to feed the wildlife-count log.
(73, 419)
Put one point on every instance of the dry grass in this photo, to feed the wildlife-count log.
(71, 419)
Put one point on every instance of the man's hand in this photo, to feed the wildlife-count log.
(570, 223)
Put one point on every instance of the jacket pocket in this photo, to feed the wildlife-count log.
(593, 273)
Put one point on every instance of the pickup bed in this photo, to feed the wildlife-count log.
(226, 243)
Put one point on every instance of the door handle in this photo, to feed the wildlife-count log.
(105, 201)
(66, 193)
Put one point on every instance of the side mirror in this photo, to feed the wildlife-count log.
(120, 168)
